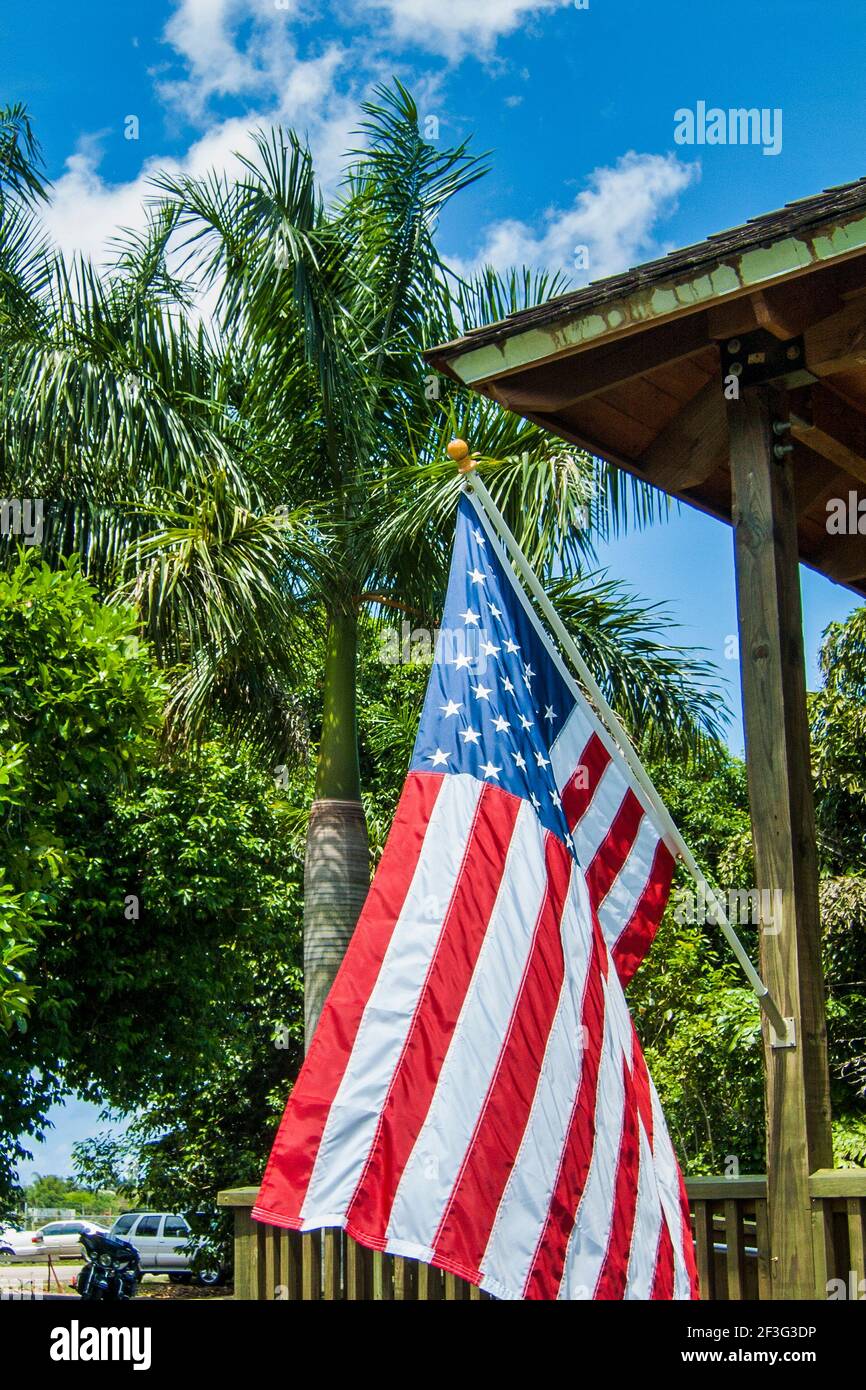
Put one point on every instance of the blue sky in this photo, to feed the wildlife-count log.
(576, 104)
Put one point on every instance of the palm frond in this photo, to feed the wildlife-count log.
(20, 156)
(666, 694)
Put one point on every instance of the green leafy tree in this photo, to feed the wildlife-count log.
(241, 484)
(49, 1191)
(174, 940)
(76, 693)
(838, 727)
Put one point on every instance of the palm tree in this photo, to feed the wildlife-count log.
(239, 482)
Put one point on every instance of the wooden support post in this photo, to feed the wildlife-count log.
(772, 671)
(249, 1256)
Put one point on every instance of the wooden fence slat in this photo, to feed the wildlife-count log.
(823, 1244)
(331, 1284)
(383, 1276)
(735, 1250)
(359, 1271)
(704, 1249)
(456, 1289)
(856, 1212)
(429, 1284)
(354, 1273)
(405, 1279)
(290, 1266)
(271, 1263)
(311, 1266)
(762, 1240)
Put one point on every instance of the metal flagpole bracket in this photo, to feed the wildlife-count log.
(788, 1038)
(781, 1029)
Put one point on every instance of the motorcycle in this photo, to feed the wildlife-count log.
(112, 1271)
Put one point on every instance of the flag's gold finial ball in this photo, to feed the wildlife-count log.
(458, 450)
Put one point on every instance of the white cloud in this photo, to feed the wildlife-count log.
(229, 48)
(206, 36)
(86, 210)
(456, 27)
(615, 218)
(249, 49)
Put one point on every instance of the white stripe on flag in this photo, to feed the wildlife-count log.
(354, 1116)
(470, 1062)
(588, 1242)
(616, 909)
(522, 1212)
(647, 1226)
(667, 1176)
(591, 830)
(569, 744)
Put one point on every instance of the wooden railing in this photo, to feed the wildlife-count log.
(729, 1224)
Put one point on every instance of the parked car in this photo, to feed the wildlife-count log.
(161, 1238)
(59, 1239)
(7, 1249)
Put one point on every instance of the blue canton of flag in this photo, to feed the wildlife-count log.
(496, 701)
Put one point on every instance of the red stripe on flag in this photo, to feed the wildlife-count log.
(614, 1272)
(468, 1218)
(580, 788)
(642, 1085)
(545, 1274)
(663, 1278)
(614, 848)
(293, 1156)
(638, 934)
(436, 1014)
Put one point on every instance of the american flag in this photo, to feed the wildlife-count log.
(475, 1095)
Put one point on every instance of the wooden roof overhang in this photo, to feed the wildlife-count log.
(631, 368)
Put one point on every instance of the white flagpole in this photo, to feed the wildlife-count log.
(472, 483)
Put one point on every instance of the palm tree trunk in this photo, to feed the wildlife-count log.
(337, 864)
